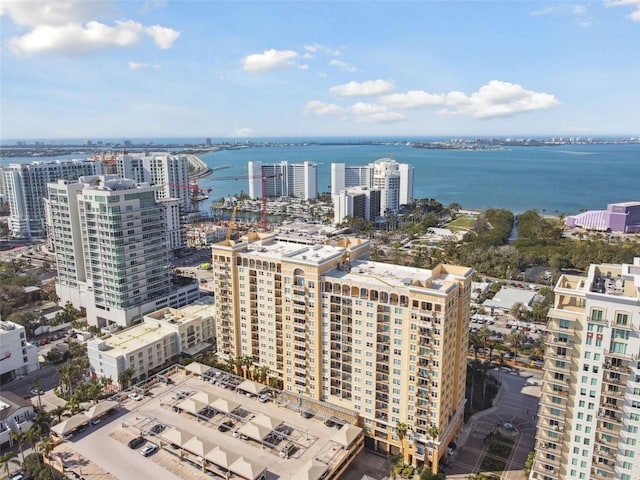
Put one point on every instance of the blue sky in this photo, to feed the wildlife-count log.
(111, 69)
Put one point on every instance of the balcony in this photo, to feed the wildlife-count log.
(559, 341)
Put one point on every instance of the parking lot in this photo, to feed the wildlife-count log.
(264, 432)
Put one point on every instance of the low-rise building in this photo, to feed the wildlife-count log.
(150, 346)
(15, 417)
(18, 357)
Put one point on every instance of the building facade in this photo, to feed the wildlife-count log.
(111, 248)
(25, 187)
(154, 344)
(621, 217)
(588, 418)
(18, 357)
(16, 415)
(394, 181)
(356, 202)
(389, 342)
(284, 179)
(167, 171)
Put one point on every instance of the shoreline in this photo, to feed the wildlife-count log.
(200, 169)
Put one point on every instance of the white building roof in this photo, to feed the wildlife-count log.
(507, 297)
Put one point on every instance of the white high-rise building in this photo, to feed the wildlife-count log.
(393, 179)
(25, 187)
(284, 179)
(589, 414)
(112, 250)
(168, 171)
(18, 357)
(356, 202)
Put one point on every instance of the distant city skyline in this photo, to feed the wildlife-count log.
(246, 70)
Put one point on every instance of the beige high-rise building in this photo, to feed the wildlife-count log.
(589, 412)
(385, 341)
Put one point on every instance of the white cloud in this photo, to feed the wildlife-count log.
(579, 10)
(542, 11)
(269, 60)
(317, 47)
(373, 113)
(499, 99)
(635, 4)
(358, 89)
(412, 99)
(347, 67)
(303, 67)
(323, 109)
(242, 132)
(70, 27)
(138, 66)
(496, 99)
(163, 37)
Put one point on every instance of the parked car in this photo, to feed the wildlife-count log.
(35, 392)
(136, 442)
(157, 428)
(135, 396)
(288, 450)
(264, 397)
(149, 449)
(225, 426)
(306, 414)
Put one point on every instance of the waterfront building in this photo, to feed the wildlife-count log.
(154, 344)
(25, 187)
(110, 237)
(394, 180)
(284, 179)
(170, 173)
(588, 417)
(18, 357)
(386, 341)
(621, 217)
(356, 202)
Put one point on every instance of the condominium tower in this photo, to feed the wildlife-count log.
(167, 171)
(283, 179)
(589, 412)
(393, 179)
(386, 341)
(25, 187)
(112, 255)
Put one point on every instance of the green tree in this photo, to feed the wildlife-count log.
(21, 439)
(401, 432)
(94, 391)
(58, 412)
(7, 458)
(124, 379)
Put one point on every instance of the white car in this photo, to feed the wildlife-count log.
(135, 396)
(149, 449)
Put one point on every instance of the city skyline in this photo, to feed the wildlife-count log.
(269, 69)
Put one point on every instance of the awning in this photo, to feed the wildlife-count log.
(246, 469)
(312, 470)
(251, 387)
(346, 435)
(221, 457)
(69, 425)
(197, 348)
(204, 397)
(224, 405)
(198, 446)
(254, 432)
(100, 409)
(266, 421)
(176, 436)
(197, 368)
(191, 406)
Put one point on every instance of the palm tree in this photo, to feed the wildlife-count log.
(46, 446)
(7, 458)
(401, 431)
(58, 412)
(73, 404)
(37, 386)
(94, 391)
(32, 436)
(124, 379)
(20, 439)
(515, 338)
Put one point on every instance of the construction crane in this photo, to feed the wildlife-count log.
(264, 190)
(232, 222)
(197, 194)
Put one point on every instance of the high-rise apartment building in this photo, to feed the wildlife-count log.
(283, 179)
(386, 341)
(356, 202)
(18, 357)
(111, 247)
(167, 171)
(589, 412)
(393, 179)
(25, 187)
